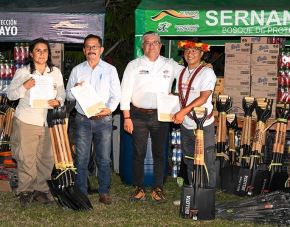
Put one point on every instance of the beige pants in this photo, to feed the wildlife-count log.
(31, 148)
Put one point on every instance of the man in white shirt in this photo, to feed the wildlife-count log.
(143, 79)
(103, 77)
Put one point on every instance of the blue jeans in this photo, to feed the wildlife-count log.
(187, 145)
(98, 132)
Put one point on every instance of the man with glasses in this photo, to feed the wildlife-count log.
(103, 77)
(143, 79)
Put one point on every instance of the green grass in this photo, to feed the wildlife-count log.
(121, 213)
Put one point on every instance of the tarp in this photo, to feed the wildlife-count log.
(58, 21)
(212, 18)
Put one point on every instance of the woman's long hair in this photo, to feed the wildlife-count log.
(29, 61)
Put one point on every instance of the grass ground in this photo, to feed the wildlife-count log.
(121, 213)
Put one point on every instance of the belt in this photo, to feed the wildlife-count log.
(93, 117)
(209, 116)
(147, 111)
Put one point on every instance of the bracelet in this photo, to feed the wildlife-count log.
(127, 117)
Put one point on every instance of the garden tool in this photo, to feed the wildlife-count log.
(63, 175)
(198, 199)
(249, 104)
(277, 177)
(230, 170)
(258, 169)
(223, 105)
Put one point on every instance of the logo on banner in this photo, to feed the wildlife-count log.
(163, 26)
(68, 24)
(175, 14)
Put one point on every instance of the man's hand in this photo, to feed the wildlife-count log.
(104, 112)
(29, 83)
(128, 125)
(53, 103)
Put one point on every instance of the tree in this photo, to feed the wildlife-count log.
(119, 32)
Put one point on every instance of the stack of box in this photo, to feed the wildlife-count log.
(237, 77)
(264, 61)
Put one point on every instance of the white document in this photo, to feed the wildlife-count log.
(88, 99)
(167, 106)
(41, 92)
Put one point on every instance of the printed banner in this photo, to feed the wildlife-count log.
(72, 28)
(214, 22)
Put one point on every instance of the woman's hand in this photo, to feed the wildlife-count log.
(128, 125)
(29, 83)
(53, 103)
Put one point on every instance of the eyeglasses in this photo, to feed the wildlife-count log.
(92, 47)
(155, 43)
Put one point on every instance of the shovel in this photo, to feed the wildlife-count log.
(198, 200)
(223, 105)
(230, 171)
(245, 147)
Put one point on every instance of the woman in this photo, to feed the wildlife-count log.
(30, 139)
(195, 87)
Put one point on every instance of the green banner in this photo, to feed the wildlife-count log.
(213, 22)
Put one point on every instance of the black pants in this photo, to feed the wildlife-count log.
(187, 145)
(145, 123)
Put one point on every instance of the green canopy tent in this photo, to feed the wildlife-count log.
(214, 20)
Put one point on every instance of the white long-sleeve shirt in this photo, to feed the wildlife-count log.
(103, 78)
(144, 79)
(16, 90)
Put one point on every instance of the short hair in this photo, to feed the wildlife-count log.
(90, 36)
(150, 33)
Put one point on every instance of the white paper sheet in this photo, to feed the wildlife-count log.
(167, 106)
(88, 99)
(41, 92)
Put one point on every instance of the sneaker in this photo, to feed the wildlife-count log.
(43, 197)
(138, 195)
(25, 199)
(157, 195)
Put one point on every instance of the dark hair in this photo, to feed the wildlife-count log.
(90, 36)
(29, 61)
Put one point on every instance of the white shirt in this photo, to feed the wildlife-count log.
(144, 79)
(104, 78)
(204, 81)
(16, 90)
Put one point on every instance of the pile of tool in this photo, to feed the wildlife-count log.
(198, 199)
(62, 183)
(7, 109)
(271, 208)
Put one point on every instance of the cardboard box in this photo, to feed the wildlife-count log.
(237, 48)
(237, 91)
(237, 80)
(265, 48)
(254, 39)
(264, 81)
(269, 71)
(263, 59)
(237, 70)
(237, 59)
